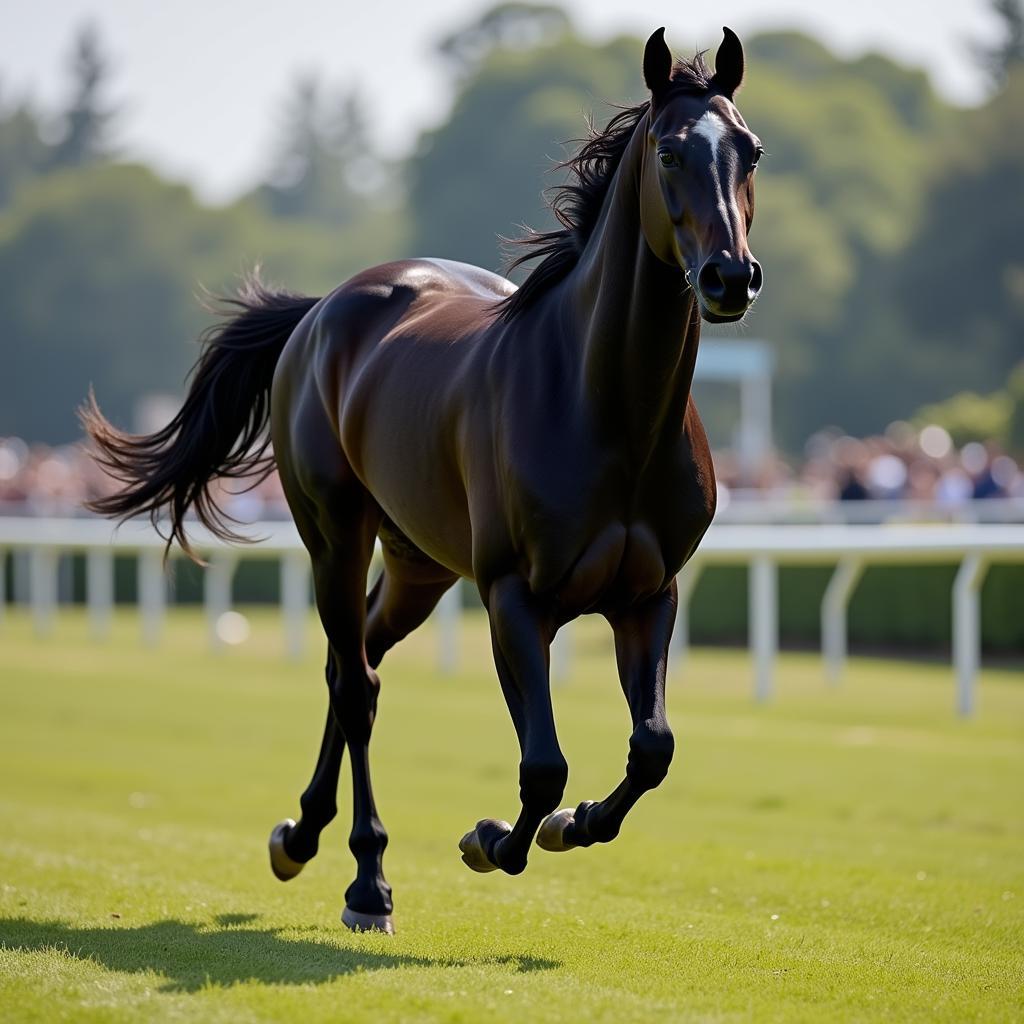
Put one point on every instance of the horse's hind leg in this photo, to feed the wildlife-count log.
(340, 583)
(293, 845)
(642, 637)
(401, 599)
(338, 523)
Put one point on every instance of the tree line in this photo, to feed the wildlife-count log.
(887, 220)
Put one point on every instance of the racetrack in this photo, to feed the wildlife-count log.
(847, 854)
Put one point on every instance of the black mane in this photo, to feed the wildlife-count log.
(577, 203)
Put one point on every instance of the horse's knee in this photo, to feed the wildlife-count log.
(542, 783)
(650, 753)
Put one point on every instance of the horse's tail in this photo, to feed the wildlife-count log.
(220, 430)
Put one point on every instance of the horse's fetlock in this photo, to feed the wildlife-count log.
(318, 810)
(368, 839)
(542, 783)
(370, 895)
(603, 831)
(650, 753)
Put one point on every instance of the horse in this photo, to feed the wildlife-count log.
(540, 441)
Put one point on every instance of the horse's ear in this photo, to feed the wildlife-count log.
(729, 63)
(657, 63)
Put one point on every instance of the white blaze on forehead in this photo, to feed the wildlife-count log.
(712, 127)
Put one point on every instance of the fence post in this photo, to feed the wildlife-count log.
(967, 630)
(686, 582)
(65, 579)
(43, 588)
(3, 584)
(833, 616)
(295, 601)
(561, 654)
(99, 590)
(763, 597)
(217, 593)
(449, 609)
(21, 576)
(152, 594)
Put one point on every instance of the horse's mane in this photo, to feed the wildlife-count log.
(577, 202)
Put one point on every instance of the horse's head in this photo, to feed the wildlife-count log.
(697, 183)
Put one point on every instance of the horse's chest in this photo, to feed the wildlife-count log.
(620, 564)
(592, 538)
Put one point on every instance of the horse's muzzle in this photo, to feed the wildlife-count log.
(727, 287)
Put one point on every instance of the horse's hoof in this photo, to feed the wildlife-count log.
(472, 848)
(551, 835)
(360, 922)
(281, 864)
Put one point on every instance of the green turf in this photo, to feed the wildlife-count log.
(853, 854)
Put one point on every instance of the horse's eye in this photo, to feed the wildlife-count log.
(666, 157)
(758, 153)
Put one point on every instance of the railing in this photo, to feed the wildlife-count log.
(737, 506)
(850, 548)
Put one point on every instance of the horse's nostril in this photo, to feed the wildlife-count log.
(710, 281)
(756, 278)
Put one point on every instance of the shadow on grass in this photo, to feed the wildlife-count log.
(192, 957)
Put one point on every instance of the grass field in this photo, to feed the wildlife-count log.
(853, 854)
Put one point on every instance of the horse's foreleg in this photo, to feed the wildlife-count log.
(521, 639)
(641, 650)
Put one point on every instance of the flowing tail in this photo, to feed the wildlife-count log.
(220, 430)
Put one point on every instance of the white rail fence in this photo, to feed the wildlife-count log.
(763, 548)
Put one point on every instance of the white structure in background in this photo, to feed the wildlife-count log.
(762, 548)
(750, 364)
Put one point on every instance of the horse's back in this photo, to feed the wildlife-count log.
(420, 283)
(367, 381)
(414, 302)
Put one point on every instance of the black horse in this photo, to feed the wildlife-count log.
(540, 441)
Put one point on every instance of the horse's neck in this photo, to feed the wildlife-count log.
(637, 318)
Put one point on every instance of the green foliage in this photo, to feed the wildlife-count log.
(969, 416)
(508, 25)
(854, 140)
(856, 134)
(86, 120)
(324, 169)
(1015, 427)
(23, 155)
(1007, 54)
(480, 175)
(126, 256)
(961, 276)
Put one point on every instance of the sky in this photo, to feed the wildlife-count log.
(199, 83)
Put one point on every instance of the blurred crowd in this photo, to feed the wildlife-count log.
(904, 463)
